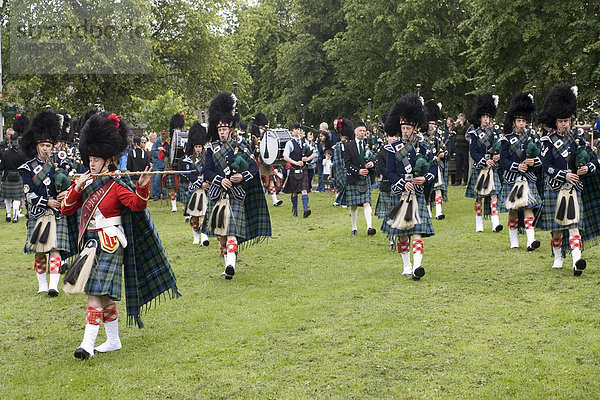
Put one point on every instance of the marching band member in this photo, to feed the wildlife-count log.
(566, 161)
(170, 181)
(409, 167)
(358, 183)
(298, 154)
(12, 183)
(345, 130)
(47, 230)
(197, 196)
(239, 211)
(439, 191)
(519, 158)
(114, 220)
(484, 181)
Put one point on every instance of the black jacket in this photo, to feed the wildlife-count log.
(352, 162)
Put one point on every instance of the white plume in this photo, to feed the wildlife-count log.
(531, 97)
(496, 98)
(575, 90)
(440, 106)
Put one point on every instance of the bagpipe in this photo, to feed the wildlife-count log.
(405, 215)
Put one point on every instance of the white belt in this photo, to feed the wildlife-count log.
(111, 226)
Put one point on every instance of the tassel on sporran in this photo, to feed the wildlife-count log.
(219, 219)
(196, 206)
(567, 207)
(405, 215)
(485, 182)
(43, 236)
(80, 269)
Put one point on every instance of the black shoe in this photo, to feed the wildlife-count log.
(441, 216)
(52, 292)
(371, 231)
(205, 243)
(579, 267)
(15, 219)
(418, 273)
(307, 212)
(534, 245)
(229, 272)
(279, 202)
(498, 228)
(294, 213)
(81, 354)
(8, 218)
(392, 247)
(354, 232)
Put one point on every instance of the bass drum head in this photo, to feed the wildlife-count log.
(269, 147)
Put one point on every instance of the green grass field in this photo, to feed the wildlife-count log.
(316, 313)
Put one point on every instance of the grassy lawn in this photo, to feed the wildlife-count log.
(316, 313)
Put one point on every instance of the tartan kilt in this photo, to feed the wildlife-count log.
(169, 181)
(385, 202)
(354, 197)
(183, 196)
(547, 221)
(62, 235)
(12, 190)
(294, 186)
(237, 220)
(535, 201)
(442, 186)
(471, 193)
(341, 196)
(106, 275)
(425, 228)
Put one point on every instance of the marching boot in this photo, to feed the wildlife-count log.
(230, 258)
(532, 242)
(404, 250)
(53, 287)
(113, 342)
(418, 271)
(579, 263)
(513, 235)
(8, 205)
(15, 210)
(496, 226)
(204, 239)
(478, 223)
(42, 283)
(86, 348)
(438, 212)
(196, 236)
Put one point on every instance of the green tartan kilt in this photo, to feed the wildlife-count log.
(62, 235)
(471, 193)
(341, 196)
(535, 201)
(385, 202)
(12, 190)
(237, 220)
(441, 186)
(169, 181)
(105, 277)
(425, 228)
(183, 196)
(547, 221)
(354, 197)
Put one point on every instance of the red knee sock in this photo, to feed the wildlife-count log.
(556, 242)
(93, 315)
(417, 246)
(109, 313)
(403, 247)
(39, 264)
(173, 196)
(232, 246)
(478, 209)
(438, 200)
(55, 264)
(195, 224)
(493, 204)
(513, 223)
(575, 242)
(529, 222)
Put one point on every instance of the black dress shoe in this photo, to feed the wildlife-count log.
(8, 218)
(579, 267)
(205, 243)
(15, 219)
(52, 292)
(81, 354)
(371, 231)
(498, 228)
(441, 216)
(534, 245)
(294, 213)
(306, 213)
(279, 202)
(354, 232)
(229, 271)
(418, 273)
(392, 247)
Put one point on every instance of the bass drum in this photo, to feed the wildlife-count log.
(272, 145)
(178, 142)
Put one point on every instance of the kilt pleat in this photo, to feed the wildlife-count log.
(547, 221)
(354, 197)
(385, 202)
(237, 220)
(12, 190)
(106, 275)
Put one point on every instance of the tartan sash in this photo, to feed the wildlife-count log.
(487, 139)
(561, 146)
(516, 146)
(39, 177)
